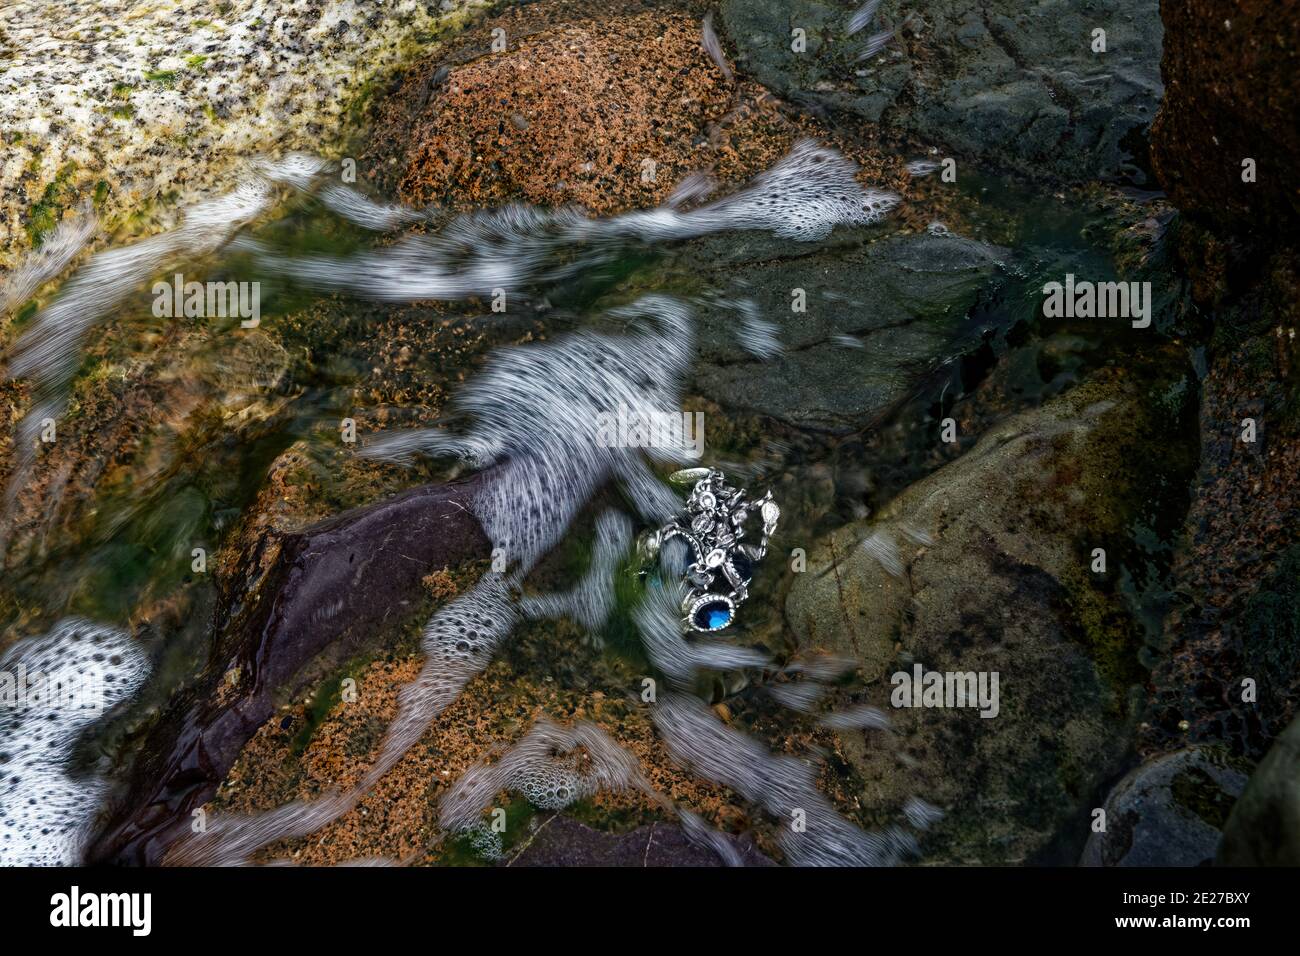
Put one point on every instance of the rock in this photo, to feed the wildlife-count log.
(1235, 574)
(609, 108)
(563, 841)
(1235, 614)
(1230, 98)
(1169, 811)
(1002, 583)
(1000, 82)
(904, 298)
(578, 126)
(304, 601)
(161, 107)
(1264, 827)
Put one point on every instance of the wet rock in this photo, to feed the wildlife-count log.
(111, 510)
(1264, 828)
(563, 841)
(1169, 812)
(610, 107)
(1001, 82)
(879, 316)
(1230, 98)
(986, 567)
(304, 602)
(1235, 576)
(1235, 579)
(139, 123)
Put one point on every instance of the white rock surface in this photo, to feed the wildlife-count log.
(158, 100)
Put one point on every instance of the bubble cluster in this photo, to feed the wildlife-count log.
(82, 669)
(804, 196)
(537, 411)
(551, 767)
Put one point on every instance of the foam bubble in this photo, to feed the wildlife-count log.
(45, 813)
(552, 767)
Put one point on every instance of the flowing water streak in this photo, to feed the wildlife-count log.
(658, 619)
(811, 832)
(49, 350)
(862, 17)
(46, 814)
(55, 254)
(712, 46)
(591, 601)
(536, 409)
(803, 197)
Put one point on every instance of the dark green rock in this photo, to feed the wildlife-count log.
(905, 299)
(994, 574)
(1264, 828)
(1170, 811)
(996, 82)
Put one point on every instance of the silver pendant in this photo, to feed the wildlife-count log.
(713, 526)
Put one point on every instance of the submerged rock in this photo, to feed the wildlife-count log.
(1169, 812)
(1004, 83)
(563, 841)
(878, 317)
(609, 107)
(301, 603)
(1237, 613)
(986, 567)
(1264, 828)
(1224, 147)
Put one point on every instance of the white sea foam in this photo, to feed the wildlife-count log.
(46, 813)
(533, 417)
(552, 767)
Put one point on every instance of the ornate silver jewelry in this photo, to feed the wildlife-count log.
(722, 565)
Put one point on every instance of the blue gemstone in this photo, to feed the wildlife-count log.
(713, 616)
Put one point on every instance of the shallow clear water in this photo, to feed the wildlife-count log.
(133, 550)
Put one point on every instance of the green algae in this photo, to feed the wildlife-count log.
(44, 215)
